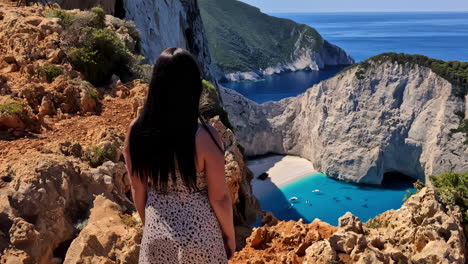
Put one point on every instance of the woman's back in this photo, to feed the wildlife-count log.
(176, 169)
(180, 224)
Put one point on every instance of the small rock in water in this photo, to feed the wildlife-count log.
(263, 176)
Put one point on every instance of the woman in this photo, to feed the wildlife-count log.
(176, 167)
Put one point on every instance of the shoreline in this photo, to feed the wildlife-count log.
(281, 169)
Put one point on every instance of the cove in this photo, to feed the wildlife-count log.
(328, 199)
(278, 86)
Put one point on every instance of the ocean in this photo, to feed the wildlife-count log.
(440, 35)
(327, 199)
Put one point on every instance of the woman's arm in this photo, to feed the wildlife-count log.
(138, 187)
(218, 191)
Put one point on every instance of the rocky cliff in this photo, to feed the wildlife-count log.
(161, 24)
(64, 189)
(421, 231)
(377, 117)
(247, 44)
(171, 23)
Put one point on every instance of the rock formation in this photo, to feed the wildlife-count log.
(361, 124)
(422, 231)
(247, 44)
(171, 23)
(64, 189)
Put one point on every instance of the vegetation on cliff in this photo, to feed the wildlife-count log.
(242, 38)
(456, 72)
(452, 190)
(96, 50)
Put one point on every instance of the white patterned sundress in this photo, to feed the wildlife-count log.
(181, 227)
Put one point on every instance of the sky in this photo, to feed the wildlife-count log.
(278, 6)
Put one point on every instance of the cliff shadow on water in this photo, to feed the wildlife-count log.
(275, 201)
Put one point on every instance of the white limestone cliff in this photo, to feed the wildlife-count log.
(170, 23)
(301, 59)
(359, 126)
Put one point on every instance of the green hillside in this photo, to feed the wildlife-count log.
(241, 38)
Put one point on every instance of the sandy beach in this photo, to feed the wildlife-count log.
(281, 170)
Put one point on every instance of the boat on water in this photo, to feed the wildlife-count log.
(293, 198)
(316, 190)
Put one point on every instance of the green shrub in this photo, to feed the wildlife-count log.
(102, 55)
(49, 71)
(99, 19)
(12, 108)
(65, 18)
(96, 156)
(376, 223)
(452, 189)
(207, 86)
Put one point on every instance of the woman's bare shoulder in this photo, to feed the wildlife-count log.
(204, 141)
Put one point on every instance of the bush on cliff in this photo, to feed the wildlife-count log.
(456, 72)
(215, 108)
(49, 71)
(452, 189)
(100, 55)
(65, 18)
(95, 50)
(96, 155)
(12, 108)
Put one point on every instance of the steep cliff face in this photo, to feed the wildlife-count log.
(164, 24)
(248, 44)
(361, 124)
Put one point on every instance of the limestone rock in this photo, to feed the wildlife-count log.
(285, 242)
(171, 23)
(422, 230)
(105, 238)
(393, 118)
(320, 252)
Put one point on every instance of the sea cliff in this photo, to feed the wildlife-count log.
(247, 44)
(376, 117)
(64, 189)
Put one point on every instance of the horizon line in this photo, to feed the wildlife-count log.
(369, 11)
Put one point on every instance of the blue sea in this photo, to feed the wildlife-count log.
(327, 199)
(440, 35)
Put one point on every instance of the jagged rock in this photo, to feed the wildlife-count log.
(392, 118)
(47, 106)
(105, 238)
(22, 233)
(422, 230)
(56, 56)
(320, 252)
(285, 242)
(68, 148)
(349, 222)
(53, 192)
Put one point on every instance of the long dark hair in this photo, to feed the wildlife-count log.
(162, 139)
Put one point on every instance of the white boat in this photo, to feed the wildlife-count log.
(293, 198)
(316, 190)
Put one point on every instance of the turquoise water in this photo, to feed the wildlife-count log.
(333, 199)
